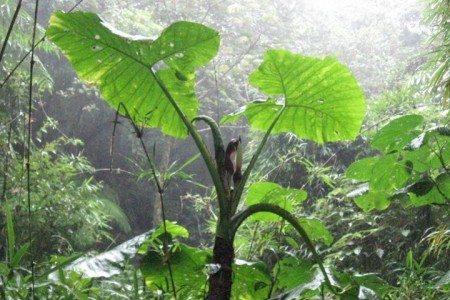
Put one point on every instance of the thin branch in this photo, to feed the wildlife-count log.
(160, 187)
(113, 138)
(115, 170)
(236, 63)
(440, 155)
(30, 103)
(252, 241)
(161, 198)
(10, 28)
(237, 220)
(7, 153)
(42, 39)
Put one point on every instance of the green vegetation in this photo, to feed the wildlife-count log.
(329, 199)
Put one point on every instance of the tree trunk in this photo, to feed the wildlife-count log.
(221, 281)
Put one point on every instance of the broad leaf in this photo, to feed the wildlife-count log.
(398, 133)
(293, 272)
(310, 284)
(322, 100)
(250, 280)
(384, 173)
(119, 65)
(106, 264)
(389, 174)
(361, 286)
(269, 192)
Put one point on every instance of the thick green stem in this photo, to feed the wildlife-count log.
(217, 136)
(237, 220)
(219, 152)
(196, 136)
(251, 165)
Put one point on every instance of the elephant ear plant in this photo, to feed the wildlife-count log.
(152, 83)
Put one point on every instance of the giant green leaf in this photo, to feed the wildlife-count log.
(119, 65)
(269, 192)
(320, 97)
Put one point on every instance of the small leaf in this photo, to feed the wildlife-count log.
(17, 258)
(377, 200)
(269, 192)
(172, 228)
(188, 265)
(316, 230)
(361, 170)
(398, 133)
(4, 270)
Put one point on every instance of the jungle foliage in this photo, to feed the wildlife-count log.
(279, 220)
